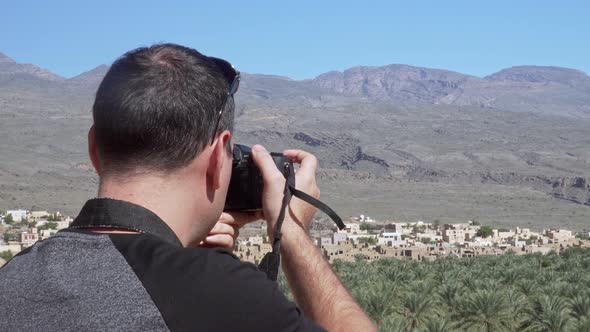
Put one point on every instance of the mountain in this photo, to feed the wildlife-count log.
(88, 81)
(5, 59)
(91, 77)
(523, 88)
(396, 142)
(10, 70)
(395, 82)
(536, 74)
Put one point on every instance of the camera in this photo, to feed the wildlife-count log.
(246, 184)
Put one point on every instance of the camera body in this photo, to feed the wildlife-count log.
(246, 184)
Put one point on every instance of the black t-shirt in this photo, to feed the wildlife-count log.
(208, 289)
(82, 280)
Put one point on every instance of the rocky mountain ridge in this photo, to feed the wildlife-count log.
(522, 130)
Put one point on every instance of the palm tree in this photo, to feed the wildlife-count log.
(547, 313)
(580, 306)
(393, 323)
(485, 310)
(395, 273)
(378, 300)
(446, 275)
(415, 308)
(510, 276)
(574, 276)
(527, 287)
(547, 277)
(448, 294)
(437, 325)
(420, 271)
(582, 325)
(518, 304)
(470, 282)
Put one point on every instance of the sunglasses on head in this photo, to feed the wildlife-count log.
(233, 79)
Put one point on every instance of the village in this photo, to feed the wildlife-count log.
(20, 229)
(362, 239)
(369, 240)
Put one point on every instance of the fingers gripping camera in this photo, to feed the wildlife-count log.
(246, 184)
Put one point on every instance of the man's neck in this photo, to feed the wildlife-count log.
(173, 199)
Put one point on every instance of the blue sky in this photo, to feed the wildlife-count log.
(302, 39)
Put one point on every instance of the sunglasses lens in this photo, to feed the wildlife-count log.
(235, 85)
(228, 71)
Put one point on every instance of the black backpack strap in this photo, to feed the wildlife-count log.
(271, 262)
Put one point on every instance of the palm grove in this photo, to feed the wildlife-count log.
(488, 293)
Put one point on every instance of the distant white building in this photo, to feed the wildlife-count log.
(46, 233)
(459, 233)
(17, 215)
(560, 236)
(339, 237)
(353, 229)
(252, 240)
(429, 235)
(364, 218)
(27, 239)
(391, 239)
(324, 240)
(518, 243)
(479, 241)
(64, 223)
(505, 235)
(36, 215)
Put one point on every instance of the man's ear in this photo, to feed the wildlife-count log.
(92, 150)
(217, 161)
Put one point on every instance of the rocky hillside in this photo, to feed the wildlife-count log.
(395, 141)
(573, 78)
(394, 82)
(550, 90)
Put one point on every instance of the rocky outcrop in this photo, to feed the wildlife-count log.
(539, 74)
(394, 82)
(303, 137)
(349, 162)
(573, 189)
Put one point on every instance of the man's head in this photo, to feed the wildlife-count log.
(156, 109)
(154, 134)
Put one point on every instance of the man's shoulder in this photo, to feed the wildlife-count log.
(194, 261)
(201, 272)
(208, 287)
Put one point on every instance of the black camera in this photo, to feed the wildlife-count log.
(245, 186)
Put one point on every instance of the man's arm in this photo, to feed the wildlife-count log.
(317, 289)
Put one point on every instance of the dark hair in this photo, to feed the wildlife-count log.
(156, 108)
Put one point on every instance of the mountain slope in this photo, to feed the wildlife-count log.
(393, 142)
(395, 82)
(538, 74)
(11, 70)
(89, 81)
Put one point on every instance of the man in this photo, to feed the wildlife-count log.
(145, 254)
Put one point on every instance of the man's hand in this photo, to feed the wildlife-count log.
(300, 213)
(227, 229)
(317, 289)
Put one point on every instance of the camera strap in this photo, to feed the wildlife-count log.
(271, 262)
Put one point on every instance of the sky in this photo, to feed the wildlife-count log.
(302, 39)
